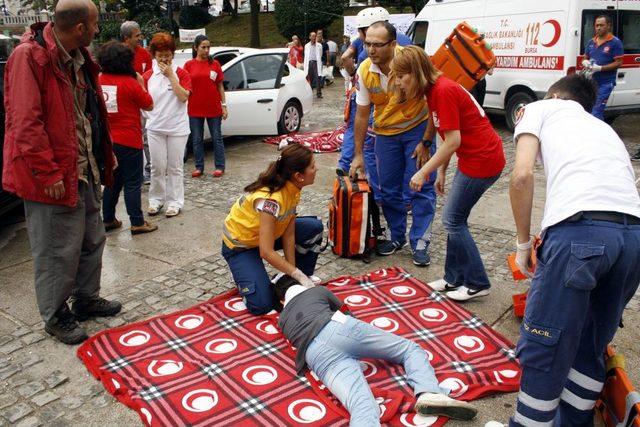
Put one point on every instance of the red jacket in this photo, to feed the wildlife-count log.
(41, 144)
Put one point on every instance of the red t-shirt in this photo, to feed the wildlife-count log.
(205, 98)
(141, 60)
(124, 97)
(480, 154)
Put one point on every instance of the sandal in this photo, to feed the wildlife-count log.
(172, 211)
(154, 210)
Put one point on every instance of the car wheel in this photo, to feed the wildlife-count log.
(290, 118)
(514, 104)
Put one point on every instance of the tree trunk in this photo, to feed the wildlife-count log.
(255, 23)
(234, 14)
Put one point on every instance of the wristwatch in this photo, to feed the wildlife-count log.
(427, 143)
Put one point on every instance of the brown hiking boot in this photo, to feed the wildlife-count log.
(112, 225)
(84, 309)
(65, 328)
(144, 228)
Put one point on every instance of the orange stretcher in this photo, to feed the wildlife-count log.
(465, 56)
(619, 403)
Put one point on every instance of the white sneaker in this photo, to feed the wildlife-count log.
(440, 404)
(315, 279)
(442, 286)
(494, 424)
(463, 293)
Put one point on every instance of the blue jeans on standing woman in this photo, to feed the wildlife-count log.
(197, 132)
(463, 265)
(333, 356)
(128, 175)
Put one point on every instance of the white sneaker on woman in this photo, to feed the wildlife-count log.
(441, 404)
(462, 293)
(442, 286)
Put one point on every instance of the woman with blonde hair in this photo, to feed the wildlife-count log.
(465, 130)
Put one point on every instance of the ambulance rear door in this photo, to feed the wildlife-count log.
(626, 95)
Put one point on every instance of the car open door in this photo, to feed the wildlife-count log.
(251, 87)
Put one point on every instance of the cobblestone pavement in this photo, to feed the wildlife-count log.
(43, 383)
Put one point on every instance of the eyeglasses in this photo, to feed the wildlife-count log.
(376, 45)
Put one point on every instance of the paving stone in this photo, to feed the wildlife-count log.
(51, 412)
(55, 378)
(29, 389)
(8, 371)
(194, 293)
(7, 400)
(32, 338)
(30, 360)
(45, 398)
(21, 331)
(30, 422)
(4, 339)
(16, 412)
(115, 322)
(151, 300)
(11, 347)
(92, 391)
(71, 402)
(130, 316)
(101, 401)
(17, 381)
(130, 305)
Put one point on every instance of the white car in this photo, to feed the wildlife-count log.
(265, 94)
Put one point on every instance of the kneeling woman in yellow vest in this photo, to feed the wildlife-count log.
(264, 220)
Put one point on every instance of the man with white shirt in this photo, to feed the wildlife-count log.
(330, 343)
(313, 63)
(587, 269)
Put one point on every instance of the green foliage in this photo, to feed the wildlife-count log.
(292, 15)
(151, 23)
(136, 7)
(192, 17)
(109, 30)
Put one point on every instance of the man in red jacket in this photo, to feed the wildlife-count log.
(57, 152)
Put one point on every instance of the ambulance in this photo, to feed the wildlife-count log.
(536, 43)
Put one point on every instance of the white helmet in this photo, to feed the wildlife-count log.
(366, 17)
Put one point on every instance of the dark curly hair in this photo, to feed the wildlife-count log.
(116, 58)
(160, 42)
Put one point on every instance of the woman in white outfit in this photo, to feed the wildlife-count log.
(167, 126)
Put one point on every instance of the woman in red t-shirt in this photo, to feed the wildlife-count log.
(125, 95)
(296, 52)
(207, 102)
(465, 130)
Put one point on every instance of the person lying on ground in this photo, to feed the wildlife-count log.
(330, 343)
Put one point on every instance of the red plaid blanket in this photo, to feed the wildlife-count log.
(318, 142)
(216, 364)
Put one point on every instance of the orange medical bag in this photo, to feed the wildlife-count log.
(464, 56)
(619, 403)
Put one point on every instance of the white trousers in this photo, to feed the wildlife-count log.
(167, 161)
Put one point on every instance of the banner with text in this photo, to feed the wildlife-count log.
(402, 22)
(189, 36)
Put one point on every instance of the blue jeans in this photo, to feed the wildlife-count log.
(128, 175)
(250, 275)
(395, 169)
(463, 265)
(587, 271)
(604, 91)
(333, 356)
(348, 147)
(197, 131)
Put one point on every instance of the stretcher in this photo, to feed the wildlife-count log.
(465, 56)
(619, 403)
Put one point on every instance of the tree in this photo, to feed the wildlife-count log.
(303, 16)
(255, 23)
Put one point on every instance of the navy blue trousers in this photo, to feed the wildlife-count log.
(586, 274)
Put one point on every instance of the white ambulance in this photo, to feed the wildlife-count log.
(536, 42)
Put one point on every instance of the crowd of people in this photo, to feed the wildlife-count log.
(74, 125)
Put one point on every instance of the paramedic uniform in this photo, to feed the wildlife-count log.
(587, 268)
(604, 54)
(399, 128)
(241, 240)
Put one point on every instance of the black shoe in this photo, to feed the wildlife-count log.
(636, 157)
(95, 307)
(65, 328)
(319, 95)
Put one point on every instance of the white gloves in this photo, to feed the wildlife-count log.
(523, 256)
(302, 278)
(593, 67)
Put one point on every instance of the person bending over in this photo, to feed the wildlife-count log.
(264, 220)
(330, 343)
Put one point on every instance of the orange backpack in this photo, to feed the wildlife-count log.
(354, 219)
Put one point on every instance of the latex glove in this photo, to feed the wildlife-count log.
(302, 278)
(595, 67)
(523, 256)
(586, 63)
